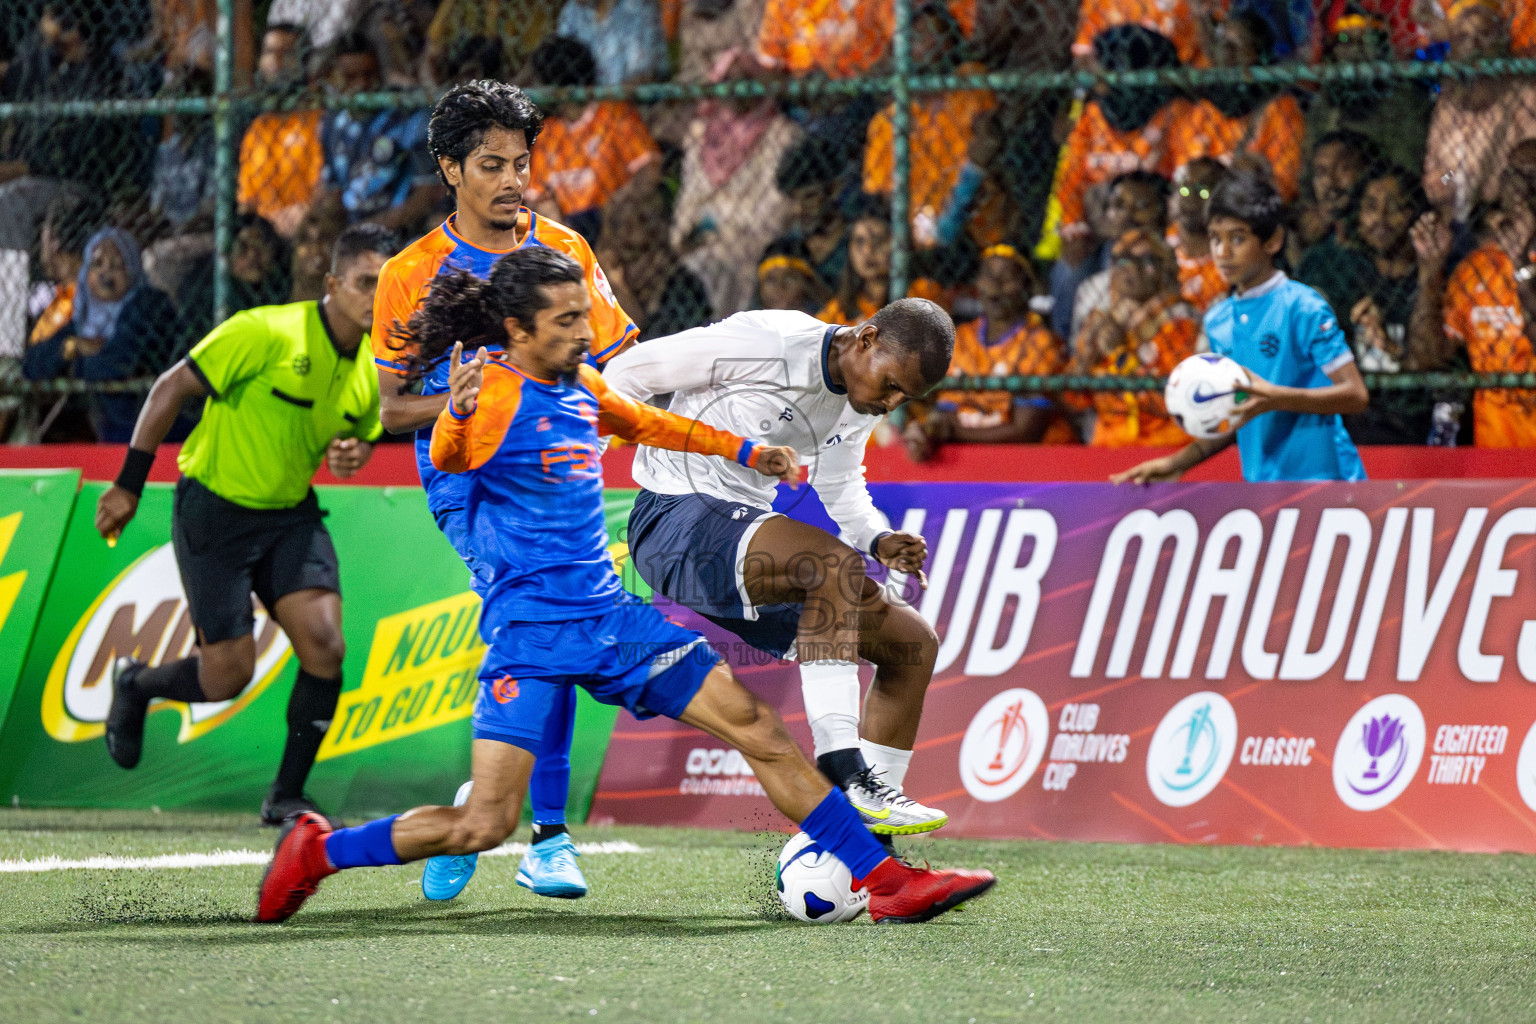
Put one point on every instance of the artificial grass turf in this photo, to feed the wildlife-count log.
(690, 931)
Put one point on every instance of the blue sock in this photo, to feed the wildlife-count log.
(837, 827)
(550, 785)
(366, 846)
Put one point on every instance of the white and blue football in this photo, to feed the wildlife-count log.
(815, 886)
(1201, 393)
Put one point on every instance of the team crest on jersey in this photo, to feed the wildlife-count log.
(601, 280)
(1270, 345)
(504, 690)
(301, 365)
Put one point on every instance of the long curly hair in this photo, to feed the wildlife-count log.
(464, 308)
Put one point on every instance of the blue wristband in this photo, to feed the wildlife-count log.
(454, 412)
(874, 545)
(744, 456)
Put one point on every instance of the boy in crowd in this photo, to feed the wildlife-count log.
(1302, 373)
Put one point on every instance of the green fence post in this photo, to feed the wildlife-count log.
(901, 132)
(224, 158)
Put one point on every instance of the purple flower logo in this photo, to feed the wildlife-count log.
(1381, 735)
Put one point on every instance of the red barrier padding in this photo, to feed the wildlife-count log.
(394, 465)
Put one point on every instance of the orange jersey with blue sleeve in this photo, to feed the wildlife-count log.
(534, 497)
(408, 276)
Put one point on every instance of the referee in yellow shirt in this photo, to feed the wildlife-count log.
(284, 390)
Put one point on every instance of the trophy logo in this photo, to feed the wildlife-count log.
(1378, 752)
(1191, 749)
(1003, 745)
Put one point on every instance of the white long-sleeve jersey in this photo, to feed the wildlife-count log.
(763, 375)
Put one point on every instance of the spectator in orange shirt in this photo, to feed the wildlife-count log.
(836, 38)
(1120, 130)
(1250, 123)
(587, 152)
(941, 125)
(1200, 283)
(1009, 338)
(1174, 19)
(1488, 308)
(865, 285)
(280, 156)
(1147, 330)
(1476, 122)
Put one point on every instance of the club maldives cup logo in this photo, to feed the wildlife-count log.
(1191, 749)
(1378, 752)
(1004, 745)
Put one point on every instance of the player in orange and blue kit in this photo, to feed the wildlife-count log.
(481, 134)
(523, 430)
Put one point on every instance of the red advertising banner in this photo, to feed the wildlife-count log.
(1331, 664)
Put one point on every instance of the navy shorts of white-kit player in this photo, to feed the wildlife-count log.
(631, 655)
(690, 547)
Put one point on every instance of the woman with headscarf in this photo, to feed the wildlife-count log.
(729, 208)
(122, 328)
(1147, 330)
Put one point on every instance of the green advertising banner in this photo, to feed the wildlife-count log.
(34, 507)
(400, 736)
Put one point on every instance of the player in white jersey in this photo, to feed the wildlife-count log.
(706, 536)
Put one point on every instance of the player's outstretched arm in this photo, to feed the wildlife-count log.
(1171, 467)
(118, 505)
(643, 424)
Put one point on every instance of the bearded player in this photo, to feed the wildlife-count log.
(481, 134)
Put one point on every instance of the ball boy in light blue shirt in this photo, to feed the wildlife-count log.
(1302, 373)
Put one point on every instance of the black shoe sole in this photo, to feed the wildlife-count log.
(126, 755)
(939, 908)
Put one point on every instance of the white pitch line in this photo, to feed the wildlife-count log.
(239, 858)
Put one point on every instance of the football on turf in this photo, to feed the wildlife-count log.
(1201, 393)
(815, 886)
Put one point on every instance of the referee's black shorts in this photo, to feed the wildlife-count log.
(226, 552)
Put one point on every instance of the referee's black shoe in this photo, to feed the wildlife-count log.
(125, 721)
(275, 811)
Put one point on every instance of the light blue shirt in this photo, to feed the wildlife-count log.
(1287, 334)
(628, 44)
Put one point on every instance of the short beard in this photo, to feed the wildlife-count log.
(503, 225)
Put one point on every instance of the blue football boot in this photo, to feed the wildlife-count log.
(446, 876)
(549, 869)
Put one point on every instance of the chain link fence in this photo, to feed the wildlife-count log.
(1041, 169)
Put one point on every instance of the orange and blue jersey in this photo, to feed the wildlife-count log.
(406, 279)
(533, 485)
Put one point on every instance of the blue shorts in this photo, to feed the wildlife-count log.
(454, 522)
(691, 548)
(631, 656)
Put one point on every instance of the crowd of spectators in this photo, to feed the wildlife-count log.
(1064, 231)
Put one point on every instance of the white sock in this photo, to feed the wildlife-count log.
(890, 762)
(831, 692)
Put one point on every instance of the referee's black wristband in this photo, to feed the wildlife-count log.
(135, 471)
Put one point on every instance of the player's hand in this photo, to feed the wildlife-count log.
(904, 552)
(344, 456)
(780, 461)
(114, 510)
(464, 378)
(1261, 398)
(1153, 471)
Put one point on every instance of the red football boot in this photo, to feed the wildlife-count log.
(899, 894)
(298, 865)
